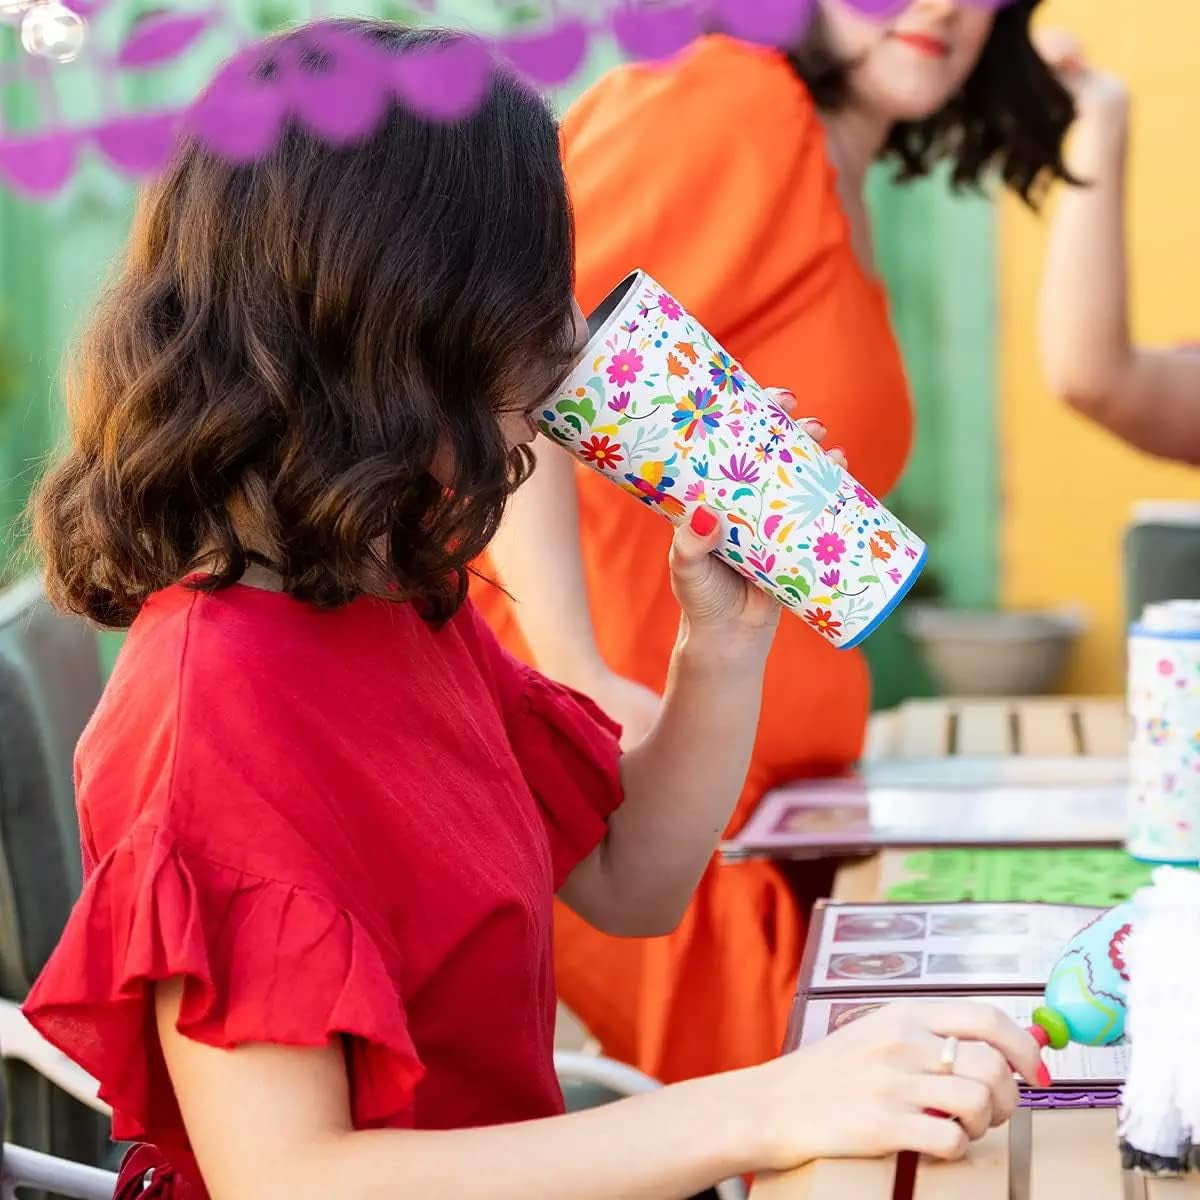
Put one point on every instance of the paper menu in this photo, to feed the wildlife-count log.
(850, 815)
(1073, 1067)
(883, 948)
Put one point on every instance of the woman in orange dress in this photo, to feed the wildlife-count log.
(734, 175)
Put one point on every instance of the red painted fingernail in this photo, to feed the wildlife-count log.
(937, 1112)
(1039, 1035)
(1043, 1076)
(703, 522)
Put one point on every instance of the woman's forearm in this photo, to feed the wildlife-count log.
(270, 1122)
(1150, 398)
(665, 1145)
(538, 555)
(1086, 346)
(273, 1122)
(682, 782)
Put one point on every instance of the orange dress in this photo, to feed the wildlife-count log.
(711, 173)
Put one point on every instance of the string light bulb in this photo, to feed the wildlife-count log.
(52, 30)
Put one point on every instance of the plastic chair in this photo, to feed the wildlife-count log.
(49, 685)
(21, 1043)
(22, 1169)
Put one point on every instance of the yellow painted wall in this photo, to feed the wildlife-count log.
(1068, 487)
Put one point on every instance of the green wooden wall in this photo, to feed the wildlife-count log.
(936, 252)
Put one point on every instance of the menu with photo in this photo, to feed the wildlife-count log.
(1074, 1067)
(904, 947)
(851, 815)
(862, 956)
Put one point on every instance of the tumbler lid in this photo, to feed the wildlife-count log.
(1172, 616)
(1167, 512)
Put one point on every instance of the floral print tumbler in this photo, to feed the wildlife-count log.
(659, 407)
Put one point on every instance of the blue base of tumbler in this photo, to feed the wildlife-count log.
(891, 606)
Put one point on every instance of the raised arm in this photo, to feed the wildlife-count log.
(682, 781)
(1151, 398)
(626, 219)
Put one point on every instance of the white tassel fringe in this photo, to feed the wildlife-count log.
(1160, 1115)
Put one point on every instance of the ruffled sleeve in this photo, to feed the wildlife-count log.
(262, 961)
(570, 754)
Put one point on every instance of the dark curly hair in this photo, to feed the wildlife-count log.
(292, 343)
(1012, 113)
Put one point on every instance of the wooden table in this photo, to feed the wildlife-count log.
(1072, 1154)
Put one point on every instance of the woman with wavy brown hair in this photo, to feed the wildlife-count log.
(734, 175)
(324, 815)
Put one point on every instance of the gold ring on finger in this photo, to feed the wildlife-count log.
(948, 1056)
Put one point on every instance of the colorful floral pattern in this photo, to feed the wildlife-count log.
(665, 412)
(697, 414)
(1164, 752)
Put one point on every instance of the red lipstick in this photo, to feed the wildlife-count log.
(924, 43)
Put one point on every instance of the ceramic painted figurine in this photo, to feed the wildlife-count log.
(1087, 993)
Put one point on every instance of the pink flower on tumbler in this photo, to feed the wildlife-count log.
(621, 403)
(894, 575)
(695, 492)
(625, 367)
(740, 469)
(669, 307)
(831, 578)
(760, 563)
(829, 548)
(865, 497)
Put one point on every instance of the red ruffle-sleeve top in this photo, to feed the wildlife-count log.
(328, 823)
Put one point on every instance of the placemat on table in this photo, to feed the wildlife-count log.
(1091, 877)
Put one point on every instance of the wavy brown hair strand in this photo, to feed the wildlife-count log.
(290, 345)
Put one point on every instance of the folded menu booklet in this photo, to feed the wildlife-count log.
(853, 815)
(862, 956)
